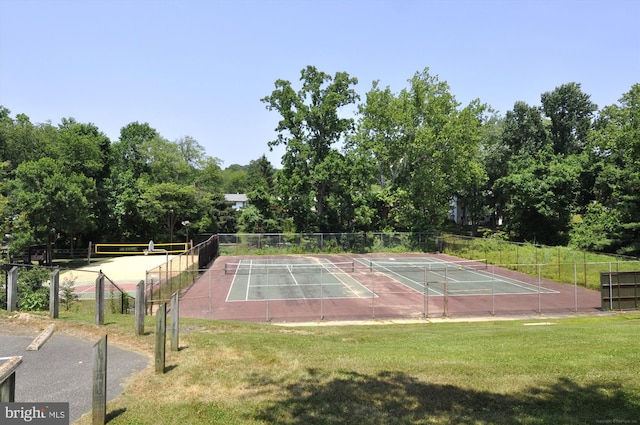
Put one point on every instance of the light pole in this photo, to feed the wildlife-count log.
(186, 224)
(172, 223)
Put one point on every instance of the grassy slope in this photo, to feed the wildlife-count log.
(576, 371)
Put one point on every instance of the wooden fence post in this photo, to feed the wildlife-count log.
(100, 299)
(139, 308)
(12, 289)
(54, 291)
(161, 337)
(175, 321)
(99, 399)
(8, 379)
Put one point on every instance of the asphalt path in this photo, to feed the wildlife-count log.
(62, 369)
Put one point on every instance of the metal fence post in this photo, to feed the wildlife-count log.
(321, 296)
(175, 321)
(54, 290)
(575, 284)
(373, 293)
(425, 308)
(446, 294)
(267, 294)
(100, 299)
(12, 289)
(539, 291)
(493, 291)
(139, 308)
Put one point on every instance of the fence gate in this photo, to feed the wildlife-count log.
(620, 290)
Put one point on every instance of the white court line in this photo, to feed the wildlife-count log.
(292, 276)
(85, 288)
(493, 278)
(233, 281)
(528, 287)
(410, 280)
(340, 284)
(290, 299)
(246, 297)
(344, 283)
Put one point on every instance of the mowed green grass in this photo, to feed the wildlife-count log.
(546, 371)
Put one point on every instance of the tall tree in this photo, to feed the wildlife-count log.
(570, 111)
(52, 201)
(165, 162)
(6, 128)
(82, 148)
(495, 154)
(162, 206)
(191, 151)
(524, 130)
(541, 192)
(424, 147)
(310, 126)
(615, 153)
(21, 140)
(209, 176)
(542, 189)
(234, 179)
(128, 150)
(262, 195)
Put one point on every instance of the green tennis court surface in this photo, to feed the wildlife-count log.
(435, 277)
(299, 279)
(315, 278)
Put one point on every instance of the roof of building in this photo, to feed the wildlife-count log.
(235, 197)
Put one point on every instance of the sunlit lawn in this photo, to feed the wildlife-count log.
(561, 371)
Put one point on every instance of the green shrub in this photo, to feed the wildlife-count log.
(32, 296)
(34, 301)
(67, 291)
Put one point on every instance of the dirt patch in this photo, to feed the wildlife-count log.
(24, 324)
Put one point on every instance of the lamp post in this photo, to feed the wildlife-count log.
(172, 223)
(186, 224)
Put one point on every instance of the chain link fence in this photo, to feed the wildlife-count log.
(368, 292)
(179, 272)
(274, 243)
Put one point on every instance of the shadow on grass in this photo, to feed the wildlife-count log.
(396, 398)
(114, 414)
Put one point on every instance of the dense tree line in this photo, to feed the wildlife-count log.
(563, 172)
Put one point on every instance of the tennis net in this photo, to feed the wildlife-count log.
(436, 267)
(287, 268)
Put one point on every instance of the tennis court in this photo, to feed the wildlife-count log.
(454, 278)
(366, 286)
(278, 279)
(293, 279)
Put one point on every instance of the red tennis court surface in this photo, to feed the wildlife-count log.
(493, 291)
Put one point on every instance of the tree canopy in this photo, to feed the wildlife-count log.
(399, 159)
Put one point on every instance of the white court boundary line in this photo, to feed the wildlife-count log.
(405, 278)
(340, 283)
(527, 287)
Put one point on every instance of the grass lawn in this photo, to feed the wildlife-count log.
(548, 371)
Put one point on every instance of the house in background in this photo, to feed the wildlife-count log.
(461, 215)
(238, 200)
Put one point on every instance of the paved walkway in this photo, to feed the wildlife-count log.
(61, 371)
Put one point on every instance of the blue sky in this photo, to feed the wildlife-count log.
(199, 68)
